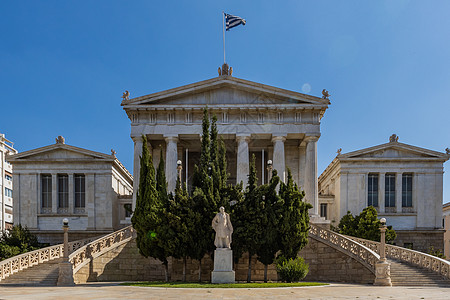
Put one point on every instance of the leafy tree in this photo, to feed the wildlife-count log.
(365, 225)
(294, 223)
(147, 218)
(17, 240)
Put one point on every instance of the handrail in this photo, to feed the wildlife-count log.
(361, 253)
(84, 254)
(26, 260)
(420, 259)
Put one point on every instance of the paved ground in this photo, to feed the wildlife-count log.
(114, 291)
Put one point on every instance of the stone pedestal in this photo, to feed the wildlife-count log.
(65, 277)
(223, 266)
(382, 273)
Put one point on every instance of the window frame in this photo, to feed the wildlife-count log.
(389, 190)
(372, 193)
(407, 193)
(46, 193)
(63, 192)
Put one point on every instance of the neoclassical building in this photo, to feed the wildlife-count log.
(253, 118)
(403, 182)
(60, 181)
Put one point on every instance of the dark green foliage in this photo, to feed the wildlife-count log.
(436, 252)
(294, 225)
(17, 240)
(292, 269)
(365, 225)
(270, 215)
(147, 214)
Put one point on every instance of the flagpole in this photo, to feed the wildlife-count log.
(223, 33)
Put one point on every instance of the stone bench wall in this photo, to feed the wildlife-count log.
(124, 263)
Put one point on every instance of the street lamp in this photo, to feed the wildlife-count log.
(383, 267)
(269, 170)
(179, 168)
(65, 276)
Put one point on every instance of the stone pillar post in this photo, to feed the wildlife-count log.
(381, 192)
(136, 167)
(54, 193)
(242, 165)
(301, 165)
(171, 162)
(279, 157)
(382, 267)
(398, 192)
(71, 208)
(311, 180)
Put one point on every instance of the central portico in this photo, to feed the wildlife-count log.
(252, 118)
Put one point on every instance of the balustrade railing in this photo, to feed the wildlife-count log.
(365, 255)
(26, 260)
(84, 254)
(420, 259)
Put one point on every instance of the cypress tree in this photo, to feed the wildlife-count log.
(147, 214)
(294, 224)
(271, 214)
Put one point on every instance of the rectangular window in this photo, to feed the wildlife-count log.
(372, 194)
(80, 191)
(127, 208)
(46, 193)
(323, 210)
(389, 190)
(8, 177)
(63, 191)
(8, 192)
(406, 190)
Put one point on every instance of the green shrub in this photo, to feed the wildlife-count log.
(292, 270)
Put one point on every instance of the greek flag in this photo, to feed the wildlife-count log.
(233, 21)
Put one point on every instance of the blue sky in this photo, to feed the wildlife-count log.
(65, 64)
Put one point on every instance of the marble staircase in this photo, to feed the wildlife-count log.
(44, 274)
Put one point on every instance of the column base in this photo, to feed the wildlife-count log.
(65, 277)
(382, 273)
(223, 277)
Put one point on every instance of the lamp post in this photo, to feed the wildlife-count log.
(65, 277)
(383, 267)
(179, 169)
(269, 170)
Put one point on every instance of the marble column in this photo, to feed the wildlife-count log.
(278, 156)
(71, 207)
(242, 165)
(301, 165)
(136, 167)
(54, 193)
(311, 180)
(381, 193)
(171, 162)
(398, 192)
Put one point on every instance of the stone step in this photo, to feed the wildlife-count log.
(403, 274)
(45, 274)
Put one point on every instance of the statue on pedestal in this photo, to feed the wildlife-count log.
(223, 228)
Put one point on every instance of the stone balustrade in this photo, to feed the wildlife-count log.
(360, 252)
(420, 259)
(86, 253)
(26, 260)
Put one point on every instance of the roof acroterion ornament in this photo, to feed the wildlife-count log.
(126, 95)
(325, 94)
(393, 138)
(60, 140)
(226, 70)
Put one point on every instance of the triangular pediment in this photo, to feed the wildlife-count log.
(59, 152)
(226, 90)
(394, 150)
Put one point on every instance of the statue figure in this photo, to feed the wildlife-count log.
(126, 95)
(60, 140)
(325, 94)
(223, 228)
(447, 150)
(393, 138)
(339, 151)
(113, 152)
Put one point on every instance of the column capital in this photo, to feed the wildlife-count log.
(311, 138)
(278, 138)
(171, 138)
(137, 138)
(243, 137)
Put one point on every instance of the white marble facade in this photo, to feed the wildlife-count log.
(253, 118)
(403, 182)
(62, 181)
